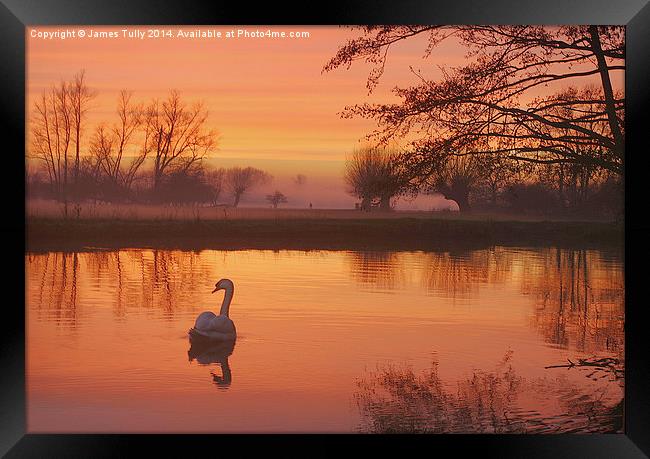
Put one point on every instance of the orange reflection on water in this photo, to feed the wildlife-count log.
(107, 349)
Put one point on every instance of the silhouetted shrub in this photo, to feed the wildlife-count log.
(607, 200)
(531, 198)
(184, 187)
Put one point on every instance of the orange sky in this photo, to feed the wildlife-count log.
(266, 97)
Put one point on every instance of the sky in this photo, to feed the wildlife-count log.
(267, 97)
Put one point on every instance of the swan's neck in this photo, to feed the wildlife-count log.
(227, 298)
(225, 370)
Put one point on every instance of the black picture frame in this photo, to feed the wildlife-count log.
(15, 15)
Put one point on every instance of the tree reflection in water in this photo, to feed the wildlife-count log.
(580, 300)
(578, 294)
(395, 399)
(159, 280)
(56, 297)
(382, 270)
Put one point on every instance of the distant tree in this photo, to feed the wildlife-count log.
(496, 173)
(52, 134)
(176, 135)
(57, 125)
(276, 198)
(216, 180)
(300, 179)
(109, 146)
(80, 97)
(573, 184)
(240, 180)
(37, 185)
(184, 186)
(89, 182)
(374, 173)
(531, 198)
(456, 179)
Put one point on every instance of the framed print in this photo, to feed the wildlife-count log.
(326, 231)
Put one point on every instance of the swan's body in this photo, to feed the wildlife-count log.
(210, 327)
(214, 327)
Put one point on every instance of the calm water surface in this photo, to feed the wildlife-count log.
(328, 341)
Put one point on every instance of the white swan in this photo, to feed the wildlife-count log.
(210, 327)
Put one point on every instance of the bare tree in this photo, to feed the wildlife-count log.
(239, 180)
(276, 198)
(496, 174)
(374, 173)
(80, 96)
(300, 179)
(492, 95)
(176, 134)
(101, 149)
(51, 135)
(109, 146)
(456, 179)
(216, 180)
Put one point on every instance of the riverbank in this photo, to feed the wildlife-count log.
(406, 233)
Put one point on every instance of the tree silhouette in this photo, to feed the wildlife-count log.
(300, 179)
(109, 145)
(239, 180)
(176, 134)
(488, 106)
(456, 179)
(80, 97)
(215, 179)
(57, 124)
(51, 134)
(276, 198)
(374, 172)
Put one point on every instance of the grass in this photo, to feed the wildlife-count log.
(47, 209)
(307, 230)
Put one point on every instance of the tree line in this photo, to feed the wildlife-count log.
(482, 132)
(170, 136)
(377, 177)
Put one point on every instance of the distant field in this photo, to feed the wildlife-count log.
(306, 230)
(42, 209)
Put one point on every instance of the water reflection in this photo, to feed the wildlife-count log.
(579, 294)
(160, 280)
(55, 281)
(314, 321)
(579, 299)
(218, 353)
(382, 270)
(394, 399)
(460, 274)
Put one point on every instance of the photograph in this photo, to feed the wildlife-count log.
(325, 229)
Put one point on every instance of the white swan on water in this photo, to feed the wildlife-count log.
(210, 327)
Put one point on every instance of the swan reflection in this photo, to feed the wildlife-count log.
(207, 354)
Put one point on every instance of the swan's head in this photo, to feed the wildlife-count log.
(223, 284)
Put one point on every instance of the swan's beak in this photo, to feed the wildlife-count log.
(215, 289)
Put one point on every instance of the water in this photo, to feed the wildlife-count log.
(328, 341)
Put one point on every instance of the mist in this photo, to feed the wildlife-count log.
(323, 186)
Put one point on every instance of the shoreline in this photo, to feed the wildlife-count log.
(405, 234)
